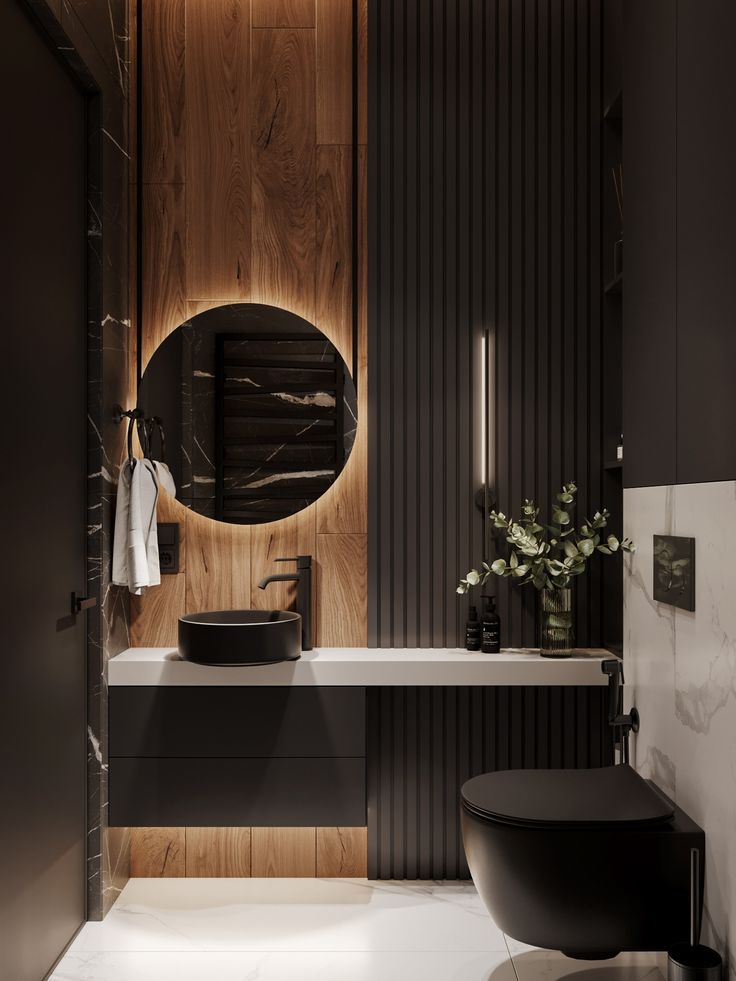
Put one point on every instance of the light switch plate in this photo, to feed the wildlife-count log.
(674, 571)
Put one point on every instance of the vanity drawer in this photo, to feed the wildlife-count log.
(236, 722)
(237, 792)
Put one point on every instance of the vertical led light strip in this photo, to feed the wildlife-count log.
(487, 433)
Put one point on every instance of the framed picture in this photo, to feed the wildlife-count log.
(674, 571)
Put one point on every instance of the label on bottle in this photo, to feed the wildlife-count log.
(491, 638)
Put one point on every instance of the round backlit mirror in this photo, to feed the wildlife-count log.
(252, 409)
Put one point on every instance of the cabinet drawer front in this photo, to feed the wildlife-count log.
(241, 722)
(237, 792)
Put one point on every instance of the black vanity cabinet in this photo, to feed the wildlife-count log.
(237, 756)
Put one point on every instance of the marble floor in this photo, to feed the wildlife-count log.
(315, 930)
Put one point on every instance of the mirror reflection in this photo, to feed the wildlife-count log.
(256, 410)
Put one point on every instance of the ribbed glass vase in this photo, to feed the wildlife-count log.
(556, 635)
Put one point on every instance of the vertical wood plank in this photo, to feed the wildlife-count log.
(157, 853)
(334, 246)
(334, 71)
(217, 566)
(284, 13)
(164, 145)
(279, 539)
(283, 188)
(164, 267)
(154, 617)
(283, 852)
(342, 852)
(218, 852)
(218, 149)
(362, 72)
(342, 591)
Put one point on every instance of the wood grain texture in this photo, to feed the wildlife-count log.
(334, 288)
(218, 566)
(163, 145)
(362, 72)
(217, 852)
(342, 852)
(287, 852)
(283, 190)
(334, 71)
(218, 148)
(284, 13)
(164, 268)
(157, 852)
(168, 509)
(279, 539)
(342, 591)
(154, 617)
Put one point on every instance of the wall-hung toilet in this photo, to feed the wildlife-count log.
(589, 862)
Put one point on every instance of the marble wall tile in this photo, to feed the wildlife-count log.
(683, 669)
(93, 39)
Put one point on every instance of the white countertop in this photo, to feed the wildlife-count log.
(365, 666)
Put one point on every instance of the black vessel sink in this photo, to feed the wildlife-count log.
(232, 637)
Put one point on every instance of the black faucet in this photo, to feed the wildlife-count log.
(303, 578)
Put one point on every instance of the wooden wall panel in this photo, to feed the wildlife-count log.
(342, 852)
(154, 617)
(335, 71)
(217, 852)
(249, 198)
(163, 269)
(164, 148)
(334, 286)
(290, 852)
(157, 852)
(284, 149)
(218, 107)
(284, 13)
(342, 590)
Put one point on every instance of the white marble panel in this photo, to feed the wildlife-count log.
(683, 666)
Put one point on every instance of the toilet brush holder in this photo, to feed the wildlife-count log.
(693, 961)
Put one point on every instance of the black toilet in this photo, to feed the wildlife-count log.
(589, 862)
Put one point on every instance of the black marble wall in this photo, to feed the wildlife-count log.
(92, 36)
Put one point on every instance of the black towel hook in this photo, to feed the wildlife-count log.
(133, 416)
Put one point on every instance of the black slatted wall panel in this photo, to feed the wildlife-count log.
(485, 200)
(425, 742)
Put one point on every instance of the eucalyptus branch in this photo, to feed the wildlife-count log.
(548, 556)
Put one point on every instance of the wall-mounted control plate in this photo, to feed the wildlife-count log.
(168, 548)
(674, 571)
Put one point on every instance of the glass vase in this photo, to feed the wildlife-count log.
(556, 635)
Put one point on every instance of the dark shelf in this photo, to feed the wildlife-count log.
(614, 465)
(615, 286)
(613, 113)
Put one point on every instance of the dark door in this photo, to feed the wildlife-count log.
(42, 502)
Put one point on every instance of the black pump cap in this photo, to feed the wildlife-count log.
(490, 603)
(472, 613)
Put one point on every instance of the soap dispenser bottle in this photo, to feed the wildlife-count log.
(491, 627)
(472, 630)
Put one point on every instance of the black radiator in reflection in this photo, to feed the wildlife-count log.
(424, 743)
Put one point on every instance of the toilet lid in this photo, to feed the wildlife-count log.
(567, 798)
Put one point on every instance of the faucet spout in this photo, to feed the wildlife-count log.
(281, 577)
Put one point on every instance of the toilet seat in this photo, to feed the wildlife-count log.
(594, 798)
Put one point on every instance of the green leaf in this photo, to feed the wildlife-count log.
(586, 546)
(473, 577)
(499, 567)
(570, 550)
(613, 543)
(605, 550)
(514, 560)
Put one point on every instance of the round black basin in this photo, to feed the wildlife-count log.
(236, 637)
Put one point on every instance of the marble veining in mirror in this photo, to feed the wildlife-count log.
(258, 412)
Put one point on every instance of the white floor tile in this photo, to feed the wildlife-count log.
(293, 915)
(310, 966)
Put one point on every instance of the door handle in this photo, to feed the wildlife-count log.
(80, 603)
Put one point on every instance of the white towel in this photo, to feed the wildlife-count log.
(165, 479)
(135, 561)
